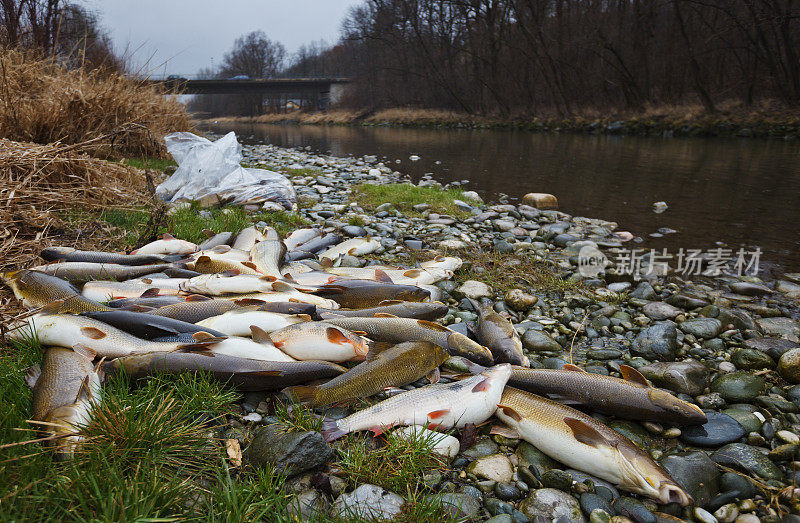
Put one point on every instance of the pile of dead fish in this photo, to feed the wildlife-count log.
(263, 313)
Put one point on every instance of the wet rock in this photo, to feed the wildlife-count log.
(353, 231)
(749, 289)
(696, 473)
(780, 326)
(483, 447)
(496, 467)
(458, 504)
(710, 401)
(685, 377)
(368, 502)
(535, 457)
(702, 328)
(551, 504)
(686, 301)
(473, 289)
(736, 317)
(773, 347)
(453, 244)
(590, 502)
(541, 201)
(718, 430)
(557, 479)
(602, 488)
(536, 340)
(496, 506)
(751, 359)
(738, 386)
(507, 491)
(747, 459)
(633, 509)
(659, 311)
(658, 342)
(289, 452)
(308, 504)
(633, 431)
(746, 419)
(519, 300)
(789, 366)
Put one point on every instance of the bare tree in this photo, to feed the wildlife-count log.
(254, 55)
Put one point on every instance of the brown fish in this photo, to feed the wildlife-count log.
(428, 310)
(37, 289)
(356, 294)
(194, 310)
(499, 336)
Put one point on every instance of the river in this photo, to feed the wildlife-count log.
(730, 193)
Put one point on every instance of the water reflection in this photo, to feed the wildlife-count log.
(741, 192)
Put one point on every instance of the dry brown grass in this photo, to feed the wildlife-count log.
(44, 103)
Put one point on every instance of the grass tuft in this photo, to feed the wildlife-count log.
(294, 416)
(159, 164)
(403, 196)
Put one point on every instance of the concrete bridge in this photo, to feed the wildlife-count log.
(319, 91)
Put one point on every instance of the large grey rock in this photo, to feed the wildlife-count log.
(738, 387)
(703, 328)
(736, 317)
(536, 340)
(368, 502)
(659, 311)
(718, 430)
(747, 459)
(696, 473)
(458, 504)
(289, 452)
(551, 504)
(773, 347)
(686, 377)
(786, 328)
(658, 342)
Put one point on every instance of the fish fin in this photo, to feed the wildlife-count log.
(434, 375)
(633, 375)
(230, 272)
(250, 265)
(206, 337)
(412, 273)
(334, 335)
(53, 307)
(383, 315)
(572, 368)
(167, 236)
(136, 308)
(93, 333)
(282, 286)
(221, 249)
(32, 374)
(84, 392)
(304, 317)
(586, 434)
(198, 347)
(247, 302)
(259, 335)
(326, 262)
(436, 414)
(504, 430)
(149, 293)
(482, 386)
(433, 326)
(209, 233)
(376, 349)
(264, 373)
(382, 276)
(377, 431)
(390, 302)
(511, 412)
(360, 333)
(393, 391)
(268, 278)
(331, 430)
(87, 352)
(197, 297)
(301, 393)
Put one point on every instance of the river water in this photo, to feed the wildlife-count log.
(730, 193)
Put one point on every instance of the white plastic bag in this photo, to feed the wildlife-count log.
(209, 169)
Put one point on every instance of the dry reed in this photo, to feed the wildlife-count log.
(42, 102)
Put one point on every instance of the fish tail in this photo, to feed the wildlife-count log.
(331, 430)
(304, 394)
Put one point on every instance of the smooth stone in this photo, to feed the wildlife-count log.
(535, 457)
(748, 459)
(696, 473)
(368, 502)
(746, 288)
(659, 311)
(633, 431)
(658, 342)
(495, 467)
(684, 377)
(520, 300)
(453, 244)
(507, 491)
(307, 505)
(539, 341)
(481, 448)
(442, 444)
(633, 509)
(551, 504)
(501, 518)
(718, 430)
(772, 347)
(780, 326)
(733, 482)
(736, 317)
(473, 289)
(602, 488)
(751, 359)
(354, 231)
(289, 452)
(541, 201)
(746, 419)
(558, 479)
(704, 328)
(458, 504)
(789, 366)
(590, 502)
(686, 301)
(496, 506)
(738, 386)
(703, 516)
(643, 291)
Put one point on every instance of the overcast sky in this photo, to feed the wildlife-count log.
(182, 36)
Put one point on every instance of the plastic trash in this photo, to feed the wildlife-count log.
(210, 172)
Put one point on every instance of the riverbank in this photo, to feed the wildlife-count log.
(711, 340)
(764, 120)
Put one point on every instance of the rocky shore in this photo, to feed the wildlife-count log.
(728, 344)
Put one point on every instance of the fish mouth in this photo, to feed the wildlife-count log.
(672, 493)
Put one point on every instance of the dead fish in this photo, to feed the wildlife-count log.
(223, 252)
(356, 294)
(195, 308)
(150, 326)
(74, 255)
(449, 263)
(443, 405)
(300, 236)
(180, 272)
(90, 335)
(238, 321)
(167, 245)
(316, 340)
(214, 240)
(284, 307)
(383, 327)
(394, 367)
(631, 397)
(247, 238)
(173, 284)
(80, 272)
(215, 265)
(498, 334)
(401, 309)
(260, 347)
(111, 290)
(579, 441)
(155, 301)
(317, 244)
(228, 283)
(284, 292)
(353, 247)
(244, 374)
(268, 257)
(393, 275)
(65, 388)
(37, 289)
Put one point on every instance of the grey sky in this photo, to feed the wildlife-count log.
(182, 36)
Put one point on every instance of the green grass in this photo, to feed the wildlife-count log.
(283, 222)
(403, 196)
(294, 416)
(159, 164)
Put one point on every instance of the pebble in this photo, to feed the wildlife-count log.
(718, 430)
(495, 467)
(368, 502)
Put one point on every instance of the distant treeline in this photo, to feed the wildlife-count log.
(529, 57)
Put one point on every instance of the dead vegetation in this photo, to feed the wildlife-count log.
(43, 102)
